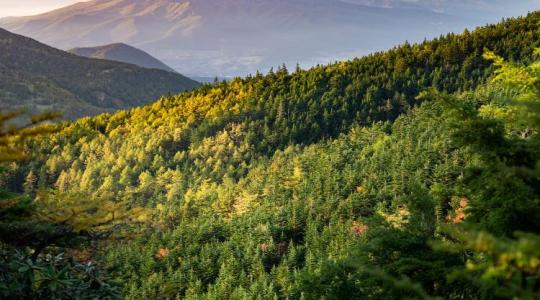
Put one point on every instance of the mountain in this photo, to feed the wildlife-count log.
(38, 77)
(226, 38)
(412, 173)
(210, 79)
(482, 10)
(123, 53)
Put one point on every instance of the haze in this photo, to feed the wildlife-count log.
(31, 7)
(207, 38)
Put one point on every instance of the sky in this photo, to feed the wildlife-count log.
(510, 7)
(31, 7)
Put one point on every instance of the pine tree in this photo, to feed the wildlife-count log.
(30, 183)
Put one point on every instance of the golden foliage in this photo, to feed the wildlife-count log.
(86, 214)
(12, 135)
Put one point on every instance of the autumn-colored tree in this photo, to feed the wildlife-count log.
(29, 227)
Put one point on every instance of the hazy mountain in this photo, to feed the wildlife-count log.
(236, 37)
(203, 79)
(483, 10)
(124, 53)
(39, 77)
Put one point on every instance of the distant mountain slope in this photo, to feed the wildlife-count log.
(38, 77)
(123, 53)
(236, 37)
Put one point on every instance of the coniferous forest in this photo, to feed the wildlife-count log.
(412, 173)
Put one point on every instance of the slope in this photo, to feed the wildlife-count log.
(123, 53)
(234, 38)
(330, 182)
(39, 77)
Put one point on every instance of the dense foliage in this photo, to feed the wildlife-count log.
(32, 264)
(404, 174)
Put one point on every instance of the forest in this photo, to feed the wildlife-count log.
(39, 78)
(412, 173)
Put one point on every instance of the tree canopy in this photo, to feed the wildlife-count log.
(412, 173)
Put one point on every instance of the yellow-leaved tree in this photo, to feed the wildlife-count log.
(37, 233)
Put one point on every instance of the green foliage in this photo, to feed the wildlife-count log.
(51, 277)
(503, 189)
(24, 235)
(499, 267)
(404, 174)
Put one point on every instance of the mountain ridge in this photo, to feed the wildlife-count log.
(123, 53)
(216, 38)
(39, 77)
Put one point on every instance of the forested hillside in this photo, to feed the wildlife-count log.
(408, 173)
(40, 78)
